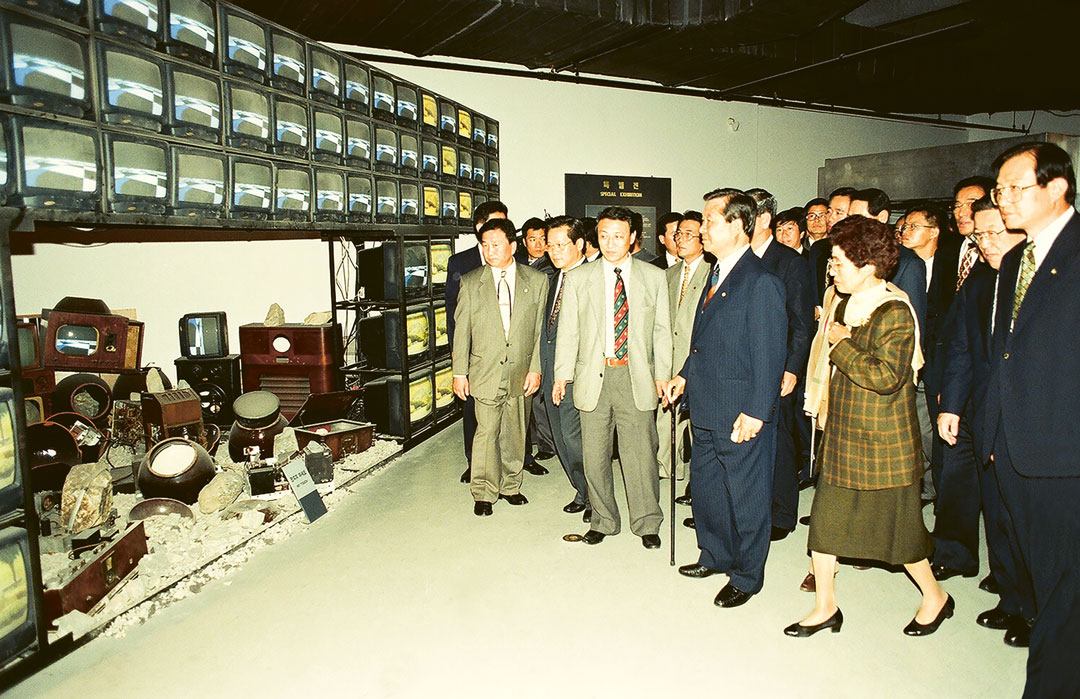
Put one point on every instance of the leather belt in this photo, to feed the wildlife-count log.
(612, 361)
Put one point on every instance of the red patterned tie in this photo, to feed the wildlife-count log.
(970, 255)
(714, 284)
(622, 321)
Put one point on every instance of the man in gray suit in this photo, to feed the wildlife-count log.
(614, 344)
(496, 360)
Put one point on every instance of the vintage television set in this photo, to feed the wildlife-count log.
(325, 83)
(386, 149)
(448, 171)
(138, 175)
(199, 185)
(429, 159)
(357, 142)
(440, 333)
(448, 206)
(384, 97)
(465, 207)
(134, 20)
(492, 136)
(479, 131)
(389, 266)
(11, 491)
(429, 113)
(441, 250)
(73, 11)
(386, 200)
(493, 175)
(478, 199)
(244, 41)
(132, 92)
(479, 170)
(196, 104)
(56, 166)
(204, 334)
(5, 148)
(44, 67)
(38, 383)
(82, 335)
(216, 380)
(19, 601)
(252, 188)
(407, 114)
(292, 193)
(328, 140)
(357, 93)
(288, 62)
(292, 361)
(432, 212)
(447, 119)
(329, 195)
(398, 408)
(464, 126)
(360, 199)
(249, 117)
(380, 338)
(192, 33)
(444, 388)
(409, 201)
(464, 165)
(410, 156)
(290, 127)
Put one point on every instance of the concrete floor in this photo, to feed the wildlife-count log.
(403, 592)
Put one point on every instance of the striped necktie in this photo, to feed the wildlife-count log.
(558, 301)
(622, 320)
(970, 255)
(1023, 280)
(714, 282)
(685, 283)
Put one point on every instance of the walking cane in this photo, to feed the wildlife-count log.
(674, 417)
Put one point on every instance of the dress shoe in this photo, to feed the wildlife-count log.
(1018, 634)
(535, 469)
(689, 523)
(803, 485)
(586, 516)
(779, 534)
(684, 500)
(515, 499)
(944, 572)
(466, 475)
(988, 584)
(482, 509)
(731, 596)
(544, 455)
(917, 629)
(696, 570)
(833, 623)
(650, 541)
(593, 537)
(805, 520)
(995, 618)
(573, 508)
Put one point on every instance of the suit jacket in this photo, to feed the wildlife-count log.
(682, 317)
(818, 257)
(1033, 392)
(794, 272)
(910, 275)
(939, 300)
(459, 263)
(579, 352)
(480, 347)
(646, 256)
(738, 348)
(966, 367)
(549, 335)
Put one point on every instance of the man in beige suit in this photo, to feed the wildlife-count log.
(614, 343)
(496, 360)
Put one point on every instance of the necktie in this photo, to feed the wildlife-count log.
(504, 302)
(714, 282)
(970, 255)
(558, 302)
(685, 282)
(622, 321)
(1023, 280)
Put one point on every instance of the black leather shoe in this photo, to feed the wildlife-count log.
(995, 618)
(988, 584)
(586, 517)
(515, 499)
(1018, 634)
(650, 541)
(803, 485)
(689, 523)
(482, 509)
(466, 475)
(573, 508)
(917, 629)
(684, 500)
(779, 534)
(696, 570)
(731, 596)
(833, 623)
(944, 572)
(536, 469)
(593, 537)
(544, 455)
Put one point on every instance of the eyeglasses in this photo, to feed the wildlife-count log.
(1009, 192)
(962, 205)
(908, 226)
(988, 235)
(816, 217)
(559, 247)
(687, 236)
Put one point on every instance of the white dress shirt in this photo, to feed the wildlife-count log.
(929, 270)
(609, 299)
(688, 271)
(760, 250)
(672, 260)
(511, 275)
(1045, 238)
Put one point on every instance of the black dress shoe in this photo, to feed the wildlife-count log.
(833, 623)
(466, 475)
(944, 572)
(731, 596)
(995, 618)
(1018, 634)
(586, 517)
(689, 523)
(544, 455)
(803, 485)
(573, 508)
(515, 499)
(988, 584)
(779, 534)
(650, 541)
(684, 500)
(536, 469)
(917, 629)
(482, 509)
(696, 570)
(593, 537)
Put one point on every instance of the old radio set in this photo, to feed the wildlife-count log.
(174, 413)
(292, 361)
(83, 335)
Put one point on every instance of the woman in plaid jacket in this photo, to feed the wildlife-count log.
(867, 504)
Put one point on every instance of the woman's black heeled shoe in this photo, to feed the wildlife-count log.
(833, 623)
(917, 629)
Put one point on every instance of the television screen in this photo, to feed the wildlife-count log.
(385, 101)
(252, 185)
(329, 191)
(293, 190)
(245, 43)
(3, 158)
(360, 196)
(9, 465)
(249, 117)
(493, 172)
(444, 387)
(493, 135)
(191, 23)
(380, 337)
(17, 606)
(291, 126)
(204, 335)
(199, 180)
(479, 130)
(478, 199)
(406, 104)
(464, 123)
(440, 260)
(464, 165)
(288, 70)
(430, 161)
(409, 147)
(358, 141)
(138, 172)
(135, 19)
(429, 111)
(386, 148)
(449, 205)
(196, 106)
(431, 202)
(465, 205)
(379, 268)
(133, 90)
(329, 134)
(325, 75)
(59, 166)
(386, 197)
(479, 169)
(29, 345)
(410, 200)
(48, 69)
(421, 398)
(396, 411)
(447, 117)
(357, 85)
(442, 335)
(449, 162)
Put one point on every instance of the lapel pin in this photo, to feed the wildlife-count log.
(1053, 271)
(723, 293)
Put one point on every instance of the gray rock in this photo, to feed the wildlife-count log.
(87, 498)
(275, 316)
(318, 318)
(220, 492)
(285, 445)
(155, 382)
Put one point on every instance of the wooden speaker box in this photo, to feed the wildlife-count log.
(292, 361)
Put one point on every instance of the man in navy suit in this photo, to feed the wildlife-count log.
(1032, 400)
(461, 263)
(732, 377)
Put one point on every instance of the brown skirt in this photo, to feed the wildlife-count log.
(878, 525)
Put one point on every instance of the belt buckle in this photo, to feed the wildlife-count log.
(614, 361)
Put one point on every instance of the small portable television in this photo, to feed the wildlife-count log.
(244, 43)
(464, 165)
(447, 119)
(357, 142)
(441, 250)
(429, 113)
(18, 604)
(429, 159)
(464, 126)
(44, 68)
(386, 149)
(449, 169)
(328, 141)
(292, 193)
(479, 131)
(135, 20)
(432, 214)
(479, 171)
(381, 338)
(493, 175)
(196, 105)
(493, 136)
(384, 102)
(290, 127)
(249, 118)
(386, 200)
(409, 200)
(440, 333)
(449, 204)
(465, 207)
(390, 267)
(398, 408)
(325, 84)
(28, 333)
(139, 175)
(407, 114)
(478, 199)
(252, 187)
(73, 11)
(357, 87)
(132, 92)
(198, 183)
(444, 388)
(204, 334)
(410, 156)
(360, 199)
(83, 335)
(329, 195)
(289, 68)
(192, 33)
(56, 166)
(11, 494)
